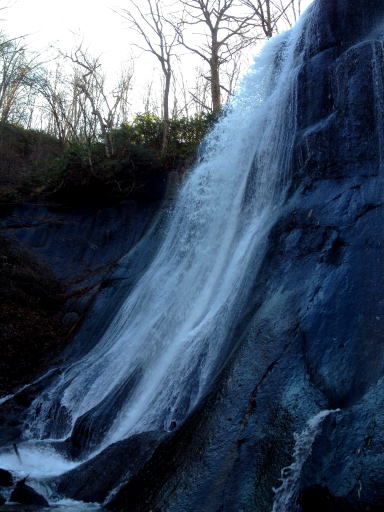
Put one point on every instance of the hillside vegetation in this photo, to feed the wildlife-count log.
(37, 166)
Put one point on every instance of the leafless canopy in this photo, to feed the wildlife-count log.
(159, 37)
(17, 67)
(269, 15)
(226, 31)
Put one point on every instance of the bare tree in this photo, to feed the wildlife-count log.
(200, 93)
(227, 32)
(231, 73)
(183, 101)
(122, 92)
(78, 105)
(90, 85)
(60, 110)
(270, 15)
(16, 74)
(159, 37)
(98, 108)
(149, 98)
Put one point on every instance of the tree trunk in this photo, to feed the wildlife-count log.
(167, 88)
(215, 73)
(215, 84)
(104, 133)
(269, 28)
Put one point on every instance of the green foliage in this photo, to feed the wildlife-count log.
(35, 165)
(87, 175)
(21, 151)
(146, 129)
(185, 135)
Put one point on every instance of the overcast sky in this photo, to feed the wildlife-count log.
(55, 21)
(60, 23)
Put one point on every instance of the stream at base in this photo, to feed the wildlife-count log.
(63, 506)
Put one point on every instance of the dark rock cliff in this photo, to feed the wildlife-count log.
(313, 335)
(81, 246)
(54, 262)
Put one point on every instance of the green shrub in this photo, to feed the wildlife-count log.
(20, 150)
(185, 135)
(35, 165)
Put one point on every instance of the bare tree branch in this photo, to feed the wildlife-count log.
(226, 33)
(160, 39)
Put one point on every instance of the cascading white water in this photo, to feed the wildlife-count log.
(290, 476)
(165, 344)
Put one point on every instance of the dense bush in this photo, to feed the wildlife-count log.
(22, 153)
(185, 134)
(35, 165)
(87, 176)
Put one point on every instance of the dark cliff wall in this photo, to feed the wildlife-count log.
(81, 246)
(54, 263)
(31, 332)
(313, 335)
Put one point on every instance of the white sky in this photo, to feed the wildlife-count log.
(62, 23)
(54, 22)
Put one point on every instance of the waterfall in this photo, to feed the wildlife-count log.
(290, 476)
(172, 334)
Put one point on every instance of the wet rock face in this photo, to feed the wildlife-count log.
(79, 243)
(6, 478)
(95, 479)
(92, 428)
(80, 247)
(312, 337)
(24, 494)
(43, 248)
(319, 499)
(31, 333)
(342, 23)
